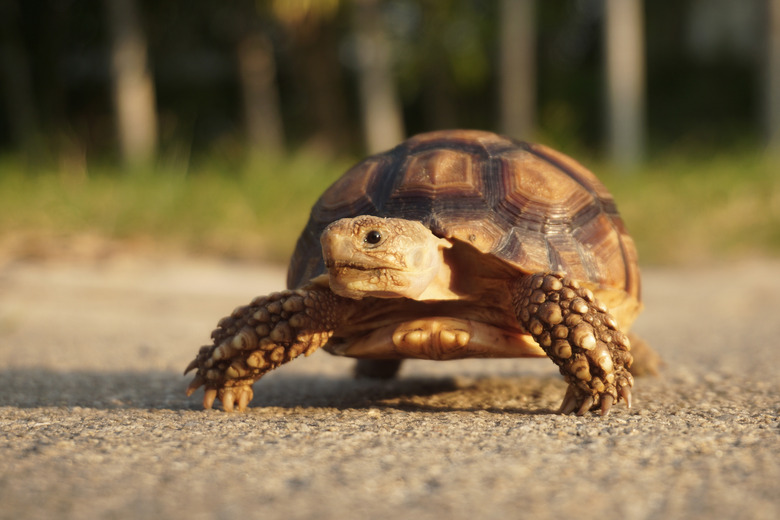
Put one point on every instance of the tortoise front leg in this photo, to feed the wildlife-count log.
(577, 332)
(259, 337)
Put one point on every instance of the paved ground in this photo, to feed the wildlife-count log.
(94, 423)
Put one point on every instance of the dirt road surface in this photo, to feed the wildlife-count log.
(94, 422)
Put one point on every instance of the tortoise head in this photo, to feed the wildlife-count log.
(381, 257)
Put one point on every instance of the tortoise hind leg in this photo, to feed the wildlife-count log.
(577, 332)
(377, 368)
(647, 362)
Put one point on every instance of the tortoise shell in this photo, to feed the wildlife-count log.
(528, 205)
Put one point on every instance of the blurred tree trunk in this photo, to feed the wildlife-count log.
(439, 109)
(772, 85)
(322, 83)
(17, 81)
(257, 72)
(517, 68)
(133, 89)
(379, 102)
(625, 72)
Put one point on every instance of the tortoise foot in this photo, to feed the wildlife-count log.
(257, 338)
(579, 401)
(577, 332)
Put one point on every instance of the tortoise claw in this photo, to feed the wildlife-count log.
(228, 399)
(196, 383)
(625, 393)
(569, 404)
(208, 398)
(606, 404)
(586, 405)
(245, 395)
(192, 366)
(234, 398)
(577, 401)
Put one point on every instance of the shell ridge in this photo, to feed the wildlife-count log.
(630, 280)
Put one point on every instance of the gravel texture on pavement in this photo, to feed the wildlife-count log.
(94, 422)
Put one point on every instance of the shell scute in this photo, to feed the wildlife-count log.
(352, 193)
(536, 194)
(439, 173)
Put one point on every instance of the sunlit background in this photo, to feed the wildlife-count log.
(209, 128)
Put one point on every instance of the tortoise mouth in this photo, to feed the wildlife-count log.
(332, 264)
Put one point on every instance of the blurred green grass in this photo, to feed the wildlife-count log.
(251, 211)
(694, 210)
(680, 210)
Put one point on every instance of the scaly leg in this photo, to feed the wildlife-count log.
(580, 336)
(259, 337)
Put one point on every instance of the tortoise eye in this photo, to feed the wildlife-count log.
(373, 237)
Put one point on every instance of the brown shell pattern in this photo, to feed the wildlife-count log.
(527, 204)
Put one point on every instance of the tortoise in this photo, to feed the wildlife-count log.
(454, 244)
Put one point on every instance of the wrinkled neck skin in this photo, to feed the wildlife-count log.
(377, 257)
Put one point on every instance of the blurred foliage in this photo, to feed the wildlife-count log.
(694, 210)
(706, 190)
(445, 62)
(296, 11)
(256, 212)
(679, 209)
